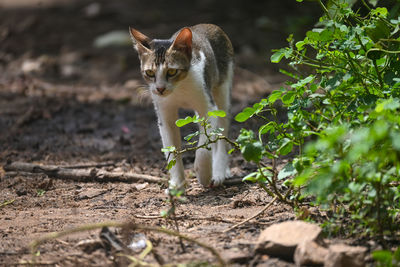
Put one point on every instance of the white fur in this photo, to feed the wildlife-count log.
(190, 93)
(220, 155)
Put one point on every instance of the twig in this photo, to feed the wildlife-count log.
(92, 174)
(172, 215)
(185, 217)
(90, 165)
(252, 217)
(34, 245)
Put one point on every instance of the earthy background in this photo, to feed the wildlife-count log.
(66, 102)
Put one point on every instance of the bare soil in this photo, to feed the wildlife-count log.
(64, 102)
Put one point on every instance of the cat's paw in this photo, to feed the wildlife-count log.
(219, 179)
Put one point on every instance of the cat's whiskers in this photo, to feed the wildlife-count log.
(143, 94)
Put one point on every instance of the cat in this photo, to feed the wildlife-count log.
(192, 70)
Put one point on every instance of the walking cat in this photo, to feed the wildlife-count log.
(193, 69)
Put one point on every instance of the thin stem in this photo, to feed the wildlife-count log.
(173, 217)
(356, 72)
(324, 9)
(366, 5)
(252, 217)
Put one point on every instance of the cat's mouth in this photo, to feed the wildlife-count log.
(162, 92)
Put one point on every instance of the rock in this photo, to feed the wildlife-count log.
(310, 252)
(90, 193)
(30, 65)
(92, 10)
(281, 240)
(141, 186)
(341, 255)
(90, 245)
(236, 256)
(116, 38)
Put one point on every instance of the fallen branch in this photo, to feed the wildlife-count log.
(90, 165)
(185, 217)
(92, 174)
(34, 245)
(252, 217)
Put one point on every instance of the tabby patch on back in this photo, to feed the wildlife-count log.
(193, 69)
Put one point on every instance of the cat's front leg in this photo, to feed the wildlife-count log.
(220, 165)
(170, 136)
(203, 163)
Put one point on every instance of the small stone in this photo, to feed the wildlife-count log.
(90, 193)
(341, 255)
(30, 66)
(310, 252)
(142, 186)
(90, 245)
(236, 256)
(281, 240)
(92, 10)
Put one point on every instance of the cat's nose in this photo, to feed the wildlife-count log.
(161, 90)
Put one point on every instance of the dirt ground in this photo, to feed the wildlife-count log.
(65, 102)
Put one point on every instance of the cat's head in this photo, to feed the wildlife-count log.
(164, 63)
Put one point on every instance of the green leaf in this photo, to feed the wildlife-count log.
(313, 35)
(303, 82)
(251, 177)
(289, 97)
(396, 255)
(252, 151)
(245, 114)
(171, 164)
(279, 54)
(301, 179)
(326, 35)
(269, 127)
(275, 95)
(190, 136)
(380, 11)
(183, 122)
(217, 113)
(168, 149)
(164, 213)
(300, 45)
(287, 171)
(383, 256)
(389, 104)
(378, 30)
(286, 146)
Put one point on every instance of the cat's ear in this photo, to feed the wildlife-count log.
(183, 42)
(140, 41)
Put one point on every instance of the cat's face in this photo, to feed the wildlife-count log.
(164, 63)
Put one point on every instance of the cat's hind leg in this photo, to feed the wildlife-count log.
(222, 97)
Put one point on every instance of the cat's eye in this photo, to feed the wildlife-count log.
(172, 72)
(150, 73)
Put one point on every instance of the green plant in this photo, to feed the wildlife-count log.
(6, 202)
(386, 258)
(40, 192)
(212, 136)
(342, 125)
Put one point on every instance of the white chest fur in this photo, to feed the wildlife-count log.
(190, 92)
